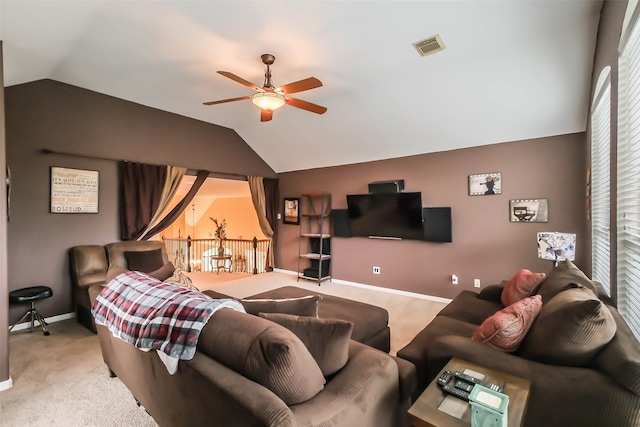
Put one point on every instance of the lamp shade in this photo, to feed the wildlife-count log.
(556, 246)
(268, 100)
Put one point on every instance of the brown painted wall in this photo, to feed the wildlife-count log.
(50, 114)
(485, 244)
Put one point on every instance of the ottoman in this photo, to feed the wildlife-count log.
(370, 323)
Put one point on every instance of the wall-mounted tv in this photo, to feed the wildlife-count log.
(387, 215)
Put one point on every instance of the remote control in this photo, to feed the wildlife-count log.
(444, 378)
(464, 386)
(460, 394)
(474, 380)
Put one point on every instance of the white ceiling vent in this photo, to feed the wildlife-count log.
(429, 45)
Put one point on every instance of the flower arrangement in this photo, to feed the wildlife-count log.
(221, 229)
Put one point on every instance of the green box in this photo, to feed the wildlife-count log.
(488, 408)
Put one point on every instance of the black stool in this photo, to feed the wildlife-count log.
(31, 294)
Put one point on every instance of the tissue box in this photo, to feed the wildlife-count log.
(488, 407)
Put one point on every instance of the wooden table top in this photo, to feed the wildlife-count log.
(425, 413)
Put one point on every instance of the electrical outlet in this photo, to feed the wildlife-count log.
(476, 283)
(454, 279)
(376, 269)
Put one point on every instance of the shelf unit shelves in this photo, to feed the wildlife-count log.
(314, 248)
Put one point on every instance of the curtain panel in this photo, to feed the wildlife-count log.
(256, 186)
(140, 195)
(272, 199)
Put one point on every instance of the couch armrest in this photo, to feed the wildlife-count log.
(364, 392)
(408, 378)
(560, 395)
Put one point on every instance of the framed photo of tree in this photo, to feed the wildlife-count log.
(291, 211)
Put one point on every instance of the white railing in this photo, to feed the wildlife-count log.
(248, 256)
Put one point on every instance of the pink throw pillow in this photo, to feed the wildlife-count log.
(520, 286)
(506, 329)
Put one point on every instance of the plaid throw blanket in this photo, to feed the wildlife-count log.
(151, 314)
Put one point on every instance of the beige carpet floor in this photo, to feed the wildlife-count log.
(60, 380)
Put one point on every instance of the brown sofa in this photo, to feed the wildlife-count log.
(599, 389)
(214, 388)
(89, 265)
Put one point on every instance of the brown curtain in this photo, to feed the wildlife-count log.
(256, 187)
(181, 206)
(272, 198)
(140, 195)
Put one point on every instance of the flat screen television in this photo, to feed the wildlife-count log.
(386, 215)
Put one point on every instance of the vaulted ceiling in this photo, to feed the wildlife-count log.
(511, 70)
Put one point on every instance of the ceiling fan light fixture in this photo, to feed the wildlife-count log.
(268, 100)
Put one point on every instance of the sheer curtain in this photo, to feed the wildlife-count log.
(256, 186)
(181, 206)
(171, 185)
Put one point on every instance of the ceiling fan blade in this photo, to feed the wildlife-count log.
(240, 80)
(222, 101)
(304, 105)
(266, 115)
(301, 85)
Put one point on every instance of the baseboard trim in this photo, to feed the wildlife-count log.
(53, 319)
(377, 288)
(6, 384)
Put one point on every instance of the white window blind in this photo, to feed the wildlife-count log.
(600, 187)
(628, 182)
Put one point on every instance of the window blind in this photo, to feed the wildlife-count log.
(628, 182)
(600, 187)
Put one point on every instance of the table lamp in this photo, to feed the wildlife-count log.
(556, 246)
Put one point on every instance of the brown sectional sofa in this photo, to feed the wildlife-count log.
(599, 390)
(369, 390)
(372, 388)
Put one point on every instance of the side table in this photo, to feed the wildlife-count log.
(221, 263)
(425, 413)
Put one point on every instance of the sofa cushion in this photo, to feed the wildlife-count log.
(492, 292)
(521, 285)
(564, 276)
(620, 359)
(506, 329)
(144, 261)
(571, 328)
(264, 352)
(326, 339)
(164, 272)
(368, 320)
(301, 306)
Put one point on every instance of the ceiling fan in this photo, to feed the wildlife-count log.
(269, 97)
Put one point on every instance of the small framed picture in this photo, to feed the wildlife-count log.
(484, 184)
(529, 210)
(291, 211)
